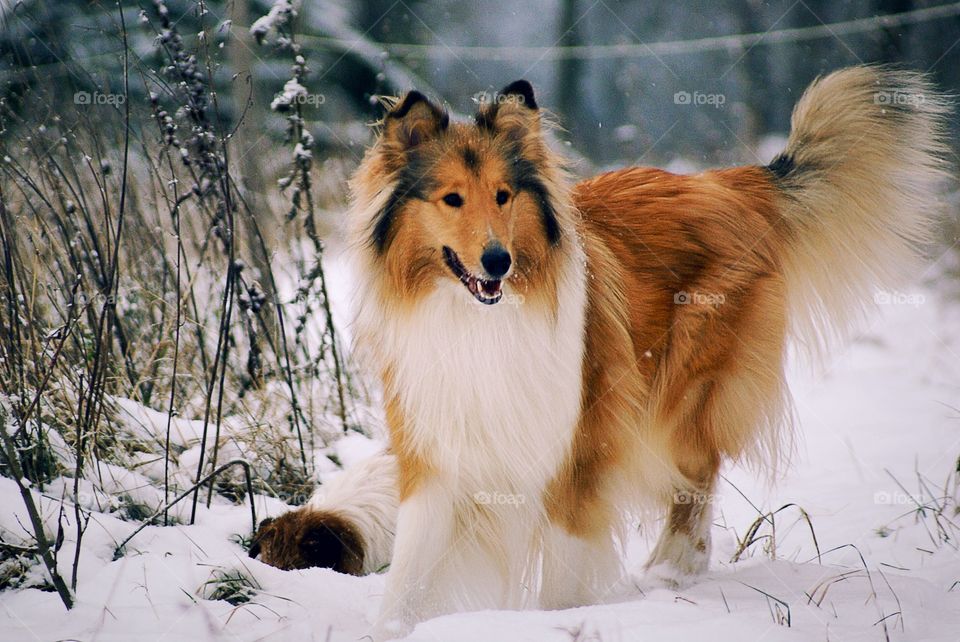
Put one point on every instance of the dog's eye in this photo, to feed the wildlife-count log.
(502, 197)
(453, 199)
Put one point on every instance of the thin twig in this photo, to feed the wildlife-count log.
(234, 462)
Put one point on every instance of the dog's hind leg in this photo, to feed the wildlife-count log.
(719, 400)
(683, 549)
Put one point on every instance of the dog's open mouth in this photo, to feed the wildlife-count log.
(483, 290)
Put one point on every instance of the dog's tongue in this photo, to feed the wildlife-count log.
(490, 287)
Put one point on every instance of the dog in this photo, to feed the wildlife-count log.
(559, 358)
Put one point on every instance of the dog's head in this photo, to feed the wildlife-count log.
(481, 203)
(305, 538)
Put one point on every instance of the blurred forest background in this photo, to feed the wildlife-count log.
(617, 104)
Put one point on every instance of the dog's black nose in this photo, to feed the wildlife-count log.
(495, 260)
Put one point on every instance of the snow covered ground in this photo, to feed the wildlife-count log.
(883, 414)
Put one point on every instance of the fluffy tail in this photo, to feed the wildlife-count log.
(860, 179)
(366, 496)
(347, 525)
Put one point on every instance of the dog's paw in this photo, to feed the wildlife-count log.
(393, 629)
(306, 538)
(664, 576)
(651, 578)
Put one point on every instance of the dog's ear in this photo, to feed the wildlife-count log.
(522, 93)
(513, 109)
(413, 121)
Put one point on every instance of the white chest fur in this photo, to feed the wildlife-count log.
(491, 394)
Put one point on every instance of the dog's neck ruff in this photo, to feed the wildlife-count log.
(490, 394)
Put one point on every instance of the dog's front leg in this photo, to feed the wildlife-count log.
(424, 539)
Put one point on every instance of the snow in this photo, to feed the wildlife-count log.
(293, 92)
(882, 412)
(280, 13)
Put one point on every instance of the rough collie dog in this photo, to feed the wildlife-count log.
(558, 358)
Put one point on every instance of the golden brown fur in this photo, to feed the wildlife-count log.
(305, 538)
(650, 235)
